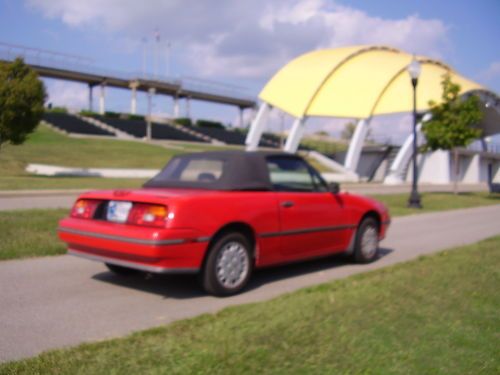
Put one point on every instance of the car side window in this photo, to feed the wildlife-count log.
(293, 174)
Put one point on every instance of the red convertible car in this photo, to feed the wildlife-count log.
(220, 214)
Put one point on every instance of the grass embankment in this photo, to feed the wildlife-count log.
(32, 233)
(432, 202)
(435, 315)
(325, 146)
(46, 146)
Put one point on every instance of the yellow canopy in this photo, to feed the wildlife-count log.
(356, 82)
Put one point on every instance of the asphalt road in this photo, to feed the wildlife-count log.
(22, 200)
(62, 301)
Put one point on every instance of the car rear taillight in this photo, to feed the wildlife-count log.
(151, 215)
(84, 208)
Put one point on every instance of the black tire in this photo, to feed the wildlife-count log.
(368, 251)
(122, 271)
(237, 251)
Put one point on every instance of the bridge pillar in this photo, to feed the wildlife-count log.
(257, 127)
(133, 100)
(188, 107)
(176, 106)
(293, 139)
(102, 103)
(91, 99)
(240, 117)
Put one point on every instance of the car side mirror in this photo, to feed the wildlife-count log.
(334, 187)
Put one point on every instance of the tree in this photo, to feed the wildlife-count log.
(321, 133)
(349, 129)
(453, 122)
(22, 95)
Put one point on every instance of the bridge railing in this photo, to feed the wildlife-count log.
(49, 59)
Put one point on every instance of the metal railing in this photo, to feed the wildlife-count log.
(493, 148)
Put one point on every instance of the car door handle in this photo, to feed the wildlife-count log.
(287, 204)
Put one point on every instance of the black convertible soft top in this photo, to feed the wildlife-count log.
(242, 170)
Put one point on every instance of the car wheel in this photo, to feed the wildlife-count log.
(366, 243)
(228, 265)
(122, 271)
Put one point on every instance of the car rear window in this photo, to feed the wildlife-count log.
(192, 169)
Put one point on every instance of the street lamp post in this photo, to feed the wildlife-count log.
(414, 71)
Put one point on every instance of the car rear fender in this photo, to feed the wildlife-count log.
(239, 227)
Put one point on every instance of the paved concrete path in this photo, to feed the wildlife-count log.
(25, 202)
(22, 200)
(61, 301)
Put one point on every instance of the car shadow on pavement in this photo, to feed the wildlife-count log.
(187, 286)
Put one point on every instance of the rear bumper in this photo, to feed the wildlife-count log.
(147, 249)
(129, 264)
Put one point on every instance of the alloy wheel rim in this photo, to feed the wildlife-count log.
(369, 242)
(232, 264)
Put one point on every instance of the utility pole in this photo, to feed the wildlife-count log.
(144, 56)
(167, 59)
(157, 51)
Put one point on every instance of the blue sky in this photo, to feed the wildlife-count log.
(244, 43)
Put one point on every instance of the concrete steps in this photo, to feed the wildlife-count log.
(93, 121)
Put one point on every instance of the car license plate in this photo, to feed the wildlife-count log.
(118, 211)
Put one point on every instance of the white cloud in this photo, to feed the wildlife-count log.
(246, 39)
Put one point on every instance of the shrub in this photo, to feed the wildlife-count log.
(86, 112)
(135, 117)
(209, 124)
(184, 121)
(109, 114)
(57, 110)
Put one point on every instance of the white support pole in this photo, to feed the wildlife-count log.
(176, 107)
(403, 157)
(293, 139)
(257, 127)
(102, 103)
(356, 145)
(401, 160)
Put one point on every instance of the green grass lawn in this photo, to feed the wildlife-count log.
(435, 315)
(437, 202)
(30, 233)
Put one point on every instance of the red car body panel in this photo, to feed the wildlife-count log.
(318, 223)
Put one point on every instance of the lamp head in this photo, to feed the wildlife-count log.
(414, 68)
